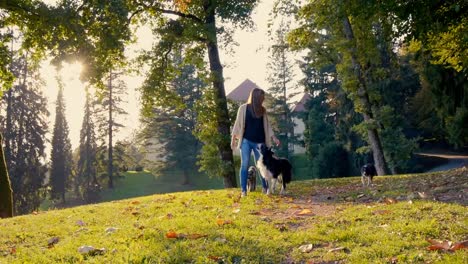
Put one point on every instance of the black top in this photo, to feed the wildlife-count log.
(254, 130)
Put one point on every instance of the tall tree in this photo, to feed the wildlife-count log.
(86, 167)
(6, 78)
(173, 127)
(61, 153)
(24, 127)
(281, 76)
(358, 55)
(110, 107)
(197, 24)
(67, 29)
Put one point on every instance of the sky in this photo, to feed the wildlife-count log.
(248, 60)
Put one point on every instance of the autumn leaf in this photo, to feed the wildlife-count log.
(446, 245)
(381, 212)
(460, 245)
(390, 201)
(195, 236)
(135, 202)
(305, 212)
(215, 258)
(171, 234)
(222, 222)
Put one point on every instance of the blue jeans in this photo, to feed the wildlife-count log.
(245, 150)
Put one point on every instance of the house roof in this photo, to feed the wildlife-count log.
(299, 102)
(241, 93)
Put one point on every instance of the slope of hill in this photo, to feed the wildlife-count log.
(419, 218)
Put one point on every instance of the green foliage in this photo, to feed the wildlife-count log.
(24, 127)
(86, 182)
(206, 131)
(61, 154)
(281, 90)
(172, 127)
(331, 161)
(457, 127)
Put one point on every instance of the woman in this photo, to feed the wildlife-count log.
(251, 129)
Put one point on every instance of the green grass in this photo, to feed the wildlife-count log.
(342, 220)
(134, 184)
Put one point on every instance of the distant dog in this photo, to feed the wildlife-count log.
(368, 172)
(274, 169)
(251, 179)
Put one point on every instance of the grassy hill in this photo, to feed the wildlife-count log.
(319, 221)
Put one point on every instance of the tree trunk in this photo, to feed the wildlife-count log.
(222, 116)
(109, 158)
(374, 139)
(6, 193)
(186, 179)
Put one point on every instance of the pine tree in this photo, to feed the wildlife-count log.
(110, 110)
(24, 129)
(86, 167)
(281, 89)
(174, 127)
(61, 154)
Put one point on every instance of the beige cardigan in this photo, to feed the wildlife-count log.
(239, 126)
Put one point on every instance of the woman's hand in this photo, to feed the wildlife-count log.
(276, 140)
(233, 143)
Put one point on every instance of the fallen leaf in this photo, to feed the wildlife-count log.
(222, 222)
(439, 245)
(423, 195)
(381, 212)
(52, 241)
(135, 213)
(215, 258)
(306, 248)
(80, 223)
(221, 240)
(305, 212)
(171, 234)
(135, 202)
(236, 211)
(111, 230)
(390, 201)
(281, 227)
(460, 245)
(446, 245)
(90, 250)
(195, 236)
(346, 250)
(169, 216)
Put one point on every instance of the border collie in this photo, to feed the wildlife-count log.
(251, 178)
(368, 172)
(274, 169)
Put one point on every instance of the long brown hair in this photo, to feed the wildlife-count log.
(256, 98)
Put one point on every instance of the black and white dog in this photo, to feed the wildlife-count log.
(274, 169)
(368, 172)
(251, 178)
